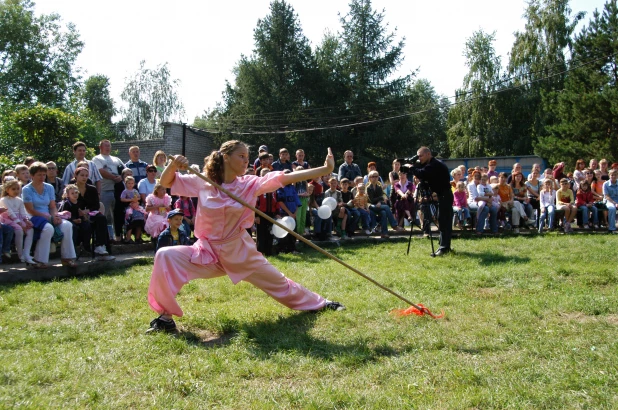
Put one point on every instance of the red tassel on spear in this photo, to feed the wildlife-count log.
(416, 309)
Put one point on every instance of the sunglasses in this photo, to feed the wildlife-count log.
(152, 170)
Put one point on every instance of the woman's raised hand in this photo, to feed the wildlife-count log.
(180, 162)
(330, 160)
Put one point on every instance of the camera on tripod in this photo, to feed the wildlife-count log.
(409, 163)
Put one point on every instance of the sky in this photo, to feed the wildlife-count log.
(202, 40)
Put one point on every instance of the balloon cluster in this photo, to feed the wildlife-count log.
(328, 206)
(287, 221)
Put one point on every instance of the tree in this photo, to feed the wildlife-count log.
(42, 132)
(271, 90)
(37, 55)
(538, 61)
(152, 98)
(475, 122)
(369, 59)
(587, 107)
(97, 99)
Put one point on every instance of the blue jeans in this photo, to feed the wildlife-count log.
(386, 216)
(585, 214)
(365, 218)
(463, 214)
(611, 216)
(6, 238)
(492, 212)
(548, 213)
(321, 225)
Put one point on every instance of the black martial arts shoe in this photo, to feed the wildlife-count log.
(162, 325)
(333, 306)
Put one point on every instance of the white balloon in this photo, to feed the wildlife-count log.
(331, 202)
(289, 222)
(278, 231)
(324, 212)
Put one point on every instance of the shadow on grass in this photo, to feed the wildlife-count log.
(293, 334)
(493, 258)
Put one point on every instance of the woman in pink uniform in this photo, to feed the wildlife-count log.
(223, 246)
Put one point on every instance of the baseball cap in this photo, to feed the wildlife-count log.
(174, 212)
(263, 148)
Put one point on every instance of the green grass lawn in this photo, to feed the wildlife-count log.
(531, 322)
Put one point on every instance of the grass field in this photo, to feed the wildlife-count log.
(531, 322)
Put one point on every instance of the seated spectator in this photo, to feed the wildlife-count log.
(516, 168)
(89, 206)
(347, 198)
(378, 206)
(520, 193)
(23, 174)
(492, 164)
(404, 199)
(53, 180)
(361, 204)
(603, 168)
(457, 176)
(40, 202)
(135, 164)
(547, 204)
(548, 174)
(6, 236)
(596, 186)
(29, 161)
(371, 166)
(339, 214)
(565, 200)
(537, 168)
(585, 203)
(158, 204)
(474, 197)
(159, 161)
(135, 219)
(484, 190)
(610, 192)
(578, 174)
(460, 205)
(185, 204)
(533, 187)
(174, 234)
(13, 214)
(146, 185)
(593, 165)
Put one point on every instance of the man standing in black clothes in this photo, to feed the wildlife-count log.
(436, 174)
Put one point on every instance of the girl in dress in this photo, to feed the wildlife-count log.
(158, 204)
(17, 217)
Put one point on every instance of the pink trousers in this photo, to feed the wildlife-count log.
(239, 259)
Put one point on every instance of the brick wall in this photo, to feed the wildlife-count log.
(198, 144)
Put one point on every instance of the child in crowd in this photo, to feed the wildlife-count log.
(585, 203)
(361, 204)
(268, 204)
(340, 216)
(174, 234)
(484, 189)
(134, 220)
(301, 212)
(129, 194)
(17, 217)
(8, 173)
(547, 201)
(460, 204)
(497, 203)
(23, 174)
(289, 202)
(566, 201)
(347, 198)
(158, 204)
(185, 204)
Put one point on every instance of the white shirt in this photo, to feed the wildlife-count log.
(111, 164)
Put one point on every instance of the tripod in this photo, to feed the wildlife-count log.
(424, 199)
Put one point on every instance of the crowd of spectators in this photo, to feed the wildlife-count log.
(106, 201)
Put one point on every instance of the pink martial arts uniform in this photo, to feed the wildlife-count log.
(223, 247)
